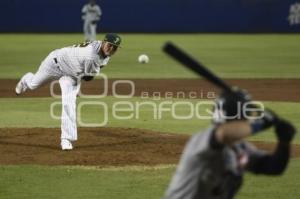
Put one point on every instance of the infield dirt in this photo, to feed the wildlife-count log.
(260, 89)
(97, 146)
(119, 146)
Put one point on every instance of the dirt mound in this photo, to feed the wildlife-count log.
(96, 146)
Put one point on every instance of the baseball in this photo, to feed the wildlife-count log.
(143, 59)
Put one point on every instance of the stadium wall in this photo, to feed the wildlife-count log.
(153, 15)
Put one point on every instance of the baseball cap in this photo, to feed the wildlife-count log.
(113, 38)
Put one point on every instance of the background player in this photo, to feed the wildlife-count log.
(91, 14)
(213, 162)
(69, 65)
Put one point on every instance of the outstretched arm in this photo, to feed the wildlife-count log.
(275, 163)
(231, 132)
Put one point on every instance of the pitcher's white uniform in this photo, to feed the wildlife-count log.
(90, 15)
(68, 65)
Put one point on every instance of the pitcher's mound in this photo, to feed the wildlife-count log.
(96, 146)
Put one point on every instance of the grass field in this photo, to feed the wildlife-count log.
(230, 56)
(37, 111)
(126, 183)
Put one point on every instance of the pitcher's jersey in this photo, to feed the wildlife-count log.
(207, 173)
(80, 60)
(91, 13)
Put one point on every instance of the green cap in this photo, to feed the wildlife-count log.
(113, 39)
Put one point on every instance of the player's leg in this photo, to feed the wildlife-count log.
(93, 32)
(46, 72)
(69, 90)
(90, 35)
(86, 30)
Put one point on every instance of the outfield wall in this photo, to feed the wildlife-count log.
(153, 15)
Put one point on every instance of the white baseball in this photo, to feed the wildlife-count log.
(143, 59)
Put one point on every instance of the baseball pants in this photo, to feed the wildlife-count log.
(89, 30)
(48, 71)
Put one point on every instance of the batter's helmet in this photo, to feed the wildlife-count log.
(230, 106)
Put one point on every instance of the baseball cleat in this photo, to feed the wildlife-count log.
(19, 88)
(66, 145)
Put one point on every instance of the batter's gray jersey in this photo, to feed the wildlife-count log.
(81, 60)
(207, 173)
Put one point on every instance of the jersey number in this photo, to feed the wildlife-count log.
(84, 44)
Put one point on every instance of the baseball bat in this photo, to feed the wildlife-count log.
(194, 65)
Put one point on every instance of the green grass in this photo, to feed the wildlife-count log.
(285, 187)
(63, 182)
(229, 55)
(35, 112)
(46, 182)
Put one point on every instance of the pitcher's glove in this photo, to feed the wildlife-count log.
(284, 130)
(87, 78)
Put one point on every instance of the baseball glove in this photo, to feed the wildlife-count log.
(87, 78)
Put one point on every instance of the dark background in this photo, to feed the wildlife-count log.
(149, 16)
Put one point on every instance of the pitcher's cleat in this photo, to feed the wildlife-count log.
(66, 145)
(19, 88)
